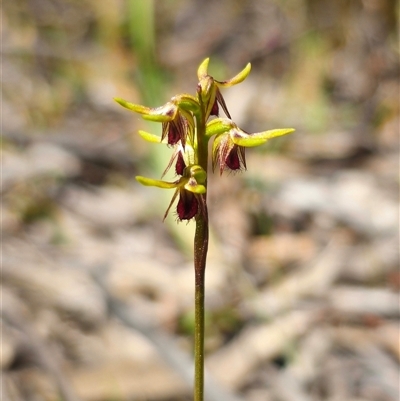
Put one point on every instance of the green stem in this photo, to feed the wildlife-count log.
(200, 258)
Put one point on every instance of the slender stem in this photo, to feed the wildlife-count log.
(200, 257)
(201, 245)
(199, 344)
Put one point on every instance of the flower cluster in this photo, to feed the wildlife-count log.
(188, 124)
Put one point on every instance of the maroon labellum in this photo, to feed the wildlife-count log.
(215, 109)
(235, 159)
(188, 205)
(180, 164)
(174, 136)
(232, 160)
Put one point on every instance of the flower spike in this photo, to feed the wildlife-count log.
(181, 119)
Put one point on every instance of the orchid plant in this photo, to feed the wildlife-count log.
(189, 123)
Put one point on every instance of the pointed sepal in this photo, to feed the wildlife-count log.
(237, 79)
(147, 136)
(202, 71)
(137, 108)
(150, 182)
(251, 140)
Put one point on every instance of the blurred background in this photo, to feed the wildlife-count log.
(302, 279)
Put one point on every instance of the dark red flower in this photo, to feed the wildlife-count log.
(180, 164)
(188, 205)
(215, 109)
(175, 130)
(227, 154)
(236, 158)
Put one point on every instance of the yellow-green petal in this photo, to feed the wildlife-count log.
(186, 102)
(218, 126)
(149, 137)
(237, 79)
(259, 138)
(158, 118)
(197, 172)
(202, 71)
(248, 141)
(195, 188)
(162, 114)
(273, 133)
(149, 182)
(138, 108)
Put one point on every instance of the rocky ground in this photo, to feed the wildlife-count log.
(302, 279)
